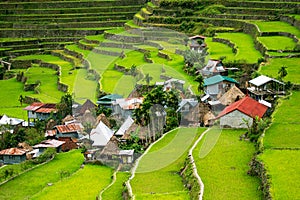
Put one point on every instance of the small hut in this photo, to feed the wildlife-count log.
(232, 95)
(208, 119)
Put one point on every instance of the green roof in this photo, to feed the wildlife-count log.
(218, 78)
(107, 99)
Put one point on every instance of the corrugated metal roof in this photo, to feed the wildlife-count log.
(12, 151)
(130, 103)
(248, 106)
(50, 133)
(100, 135)
(34, 106)
(47, 108)
(128, 122)
(11, 121)
(49, 143)
(68, 128)
(218, 78)
(261, 80)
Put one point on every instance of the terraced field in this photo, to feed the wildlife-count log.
(89, 53)
(221, 154)
(157, 175)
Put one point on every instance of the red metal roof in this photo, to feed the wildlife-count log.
(68, 128)
(47, 108)
(34, 106)
(248, 106)
(12, 151)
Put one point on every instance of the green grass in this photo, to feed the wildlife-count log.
(272, 67)
(125, 85)
(115, 191)
(157, 173)
(132, 58)
(217, 50)
(284, 170)
(36, 180)
(245, 46)
(48, 91)
(85, 86)
(277, 26)
(9, 99)
(272, 43)
(67, 74)
(224, 170)
(98, 38)
(284, 131)
(87, 183)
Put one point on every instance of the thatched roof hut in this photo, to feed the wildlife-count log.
(231, 96)
(111, 147)
(103, 119)
(208, 119)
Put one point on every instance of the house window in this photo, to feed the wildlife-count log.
(186, 108)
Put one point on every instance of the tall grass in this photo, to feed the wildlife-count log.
(224, 170)
(34, 181)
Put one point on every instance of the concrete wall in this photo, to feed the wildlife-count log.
(235, 120)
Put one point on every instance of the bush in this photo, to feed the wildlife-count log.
(45, 156)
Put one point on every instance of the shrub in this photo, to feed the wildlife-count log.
(45, 156)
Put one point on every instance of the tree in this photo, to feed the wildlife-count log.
(21, 100)
(148, 78)
(64, 106)
(282, 72)
(200, 80)
(133, 70)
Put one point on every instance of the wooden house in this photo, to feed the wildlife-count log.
(123, 108)
(72, 130)
(189, 111)
(241, 113)
(218, 85)
(264, 87)
(12, 156)
(197, 43)
(40, 111)
(212, 68)
(51, 143)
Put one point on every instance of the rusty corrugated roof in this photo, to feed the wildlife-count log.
(49, 143)
(34, 106)
(68, 128)
(12, 151)
(50, 133)
(47, 108)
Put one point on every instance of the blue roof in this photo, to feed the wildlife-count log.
(107, 99)
(218, 78)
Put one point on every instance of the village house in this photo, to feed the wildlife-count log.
(172, 84)
(213, 67)
(12, 155)
(100, 136)
(79, 110)
(232, 95)
(72, 130)
(40, 111)
(124, 127)
(263, 87)
(241, 113)
(51, 143)
(123, 108)
(217, 85)
(189, 111)
(197, 43)
(107, 100)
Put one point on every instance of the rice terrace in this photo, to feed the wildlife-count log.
(149, 99)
